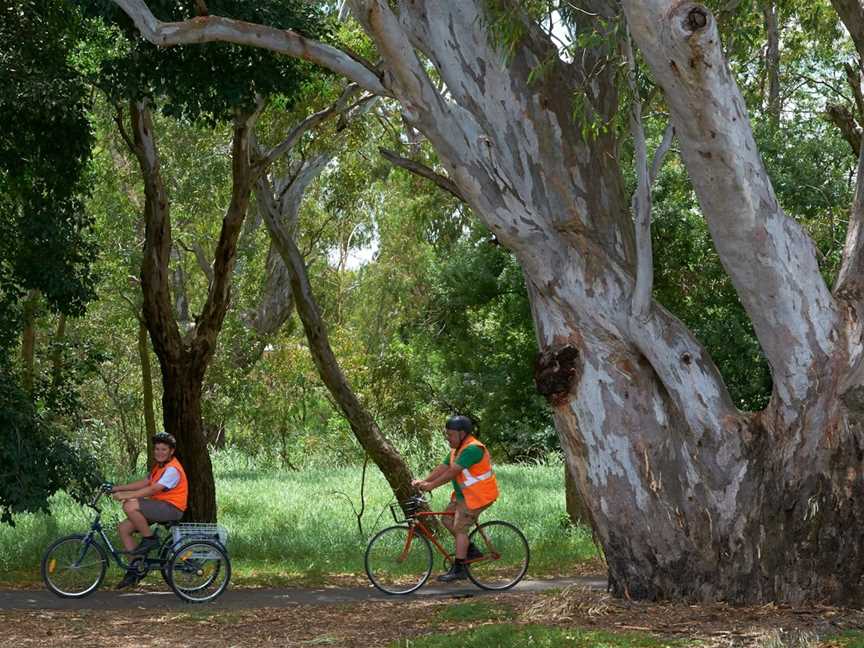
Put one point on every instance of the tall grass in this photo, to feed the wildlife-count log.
(300, 526)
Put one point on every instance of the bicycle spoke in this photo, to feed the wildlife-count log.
(505, 556)
(398, 561)
(72, 568)
(199, 571)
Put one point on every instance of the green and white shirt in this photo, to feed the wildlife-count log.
(467, 458)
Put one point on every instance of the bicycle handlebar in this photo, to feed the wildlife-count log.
(104, 489)
(408, 506)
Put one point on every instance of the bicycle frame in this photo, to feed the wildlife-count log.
(96, 530)
(416, 527)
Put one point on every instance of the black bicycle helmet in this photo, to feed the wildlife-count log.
(167, 439)
(460, 423)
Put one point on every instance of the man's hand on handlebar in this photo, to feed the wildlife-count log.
(421, 484)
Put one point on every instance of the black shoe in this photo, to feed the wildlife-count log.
(457, 572)
(146, 545)
(473, 552)
(130, 579)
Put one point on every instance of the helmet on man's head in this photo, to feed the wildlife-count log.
(167, 439)
(460, 423)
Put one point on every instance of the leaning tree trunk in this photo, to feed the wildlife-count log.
(363, 425)
(184, 358)
(279, 203)
(689, 496)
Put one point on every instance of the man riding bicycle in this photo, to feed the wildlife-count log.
(159, 498)
(469, 467)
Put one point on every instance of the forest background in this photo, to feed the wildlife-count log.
(427, 313)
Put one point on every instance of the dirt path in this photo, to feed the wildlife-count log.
(238, 599)
(373, 622)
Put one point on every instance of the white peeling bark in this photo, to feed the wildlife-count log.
(770, 259)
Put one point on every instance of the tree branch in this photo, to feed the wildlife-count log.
(770, 13)
(121, 128)
(853, 79)
(850, 280)
(414, 85)
(225, 255)
(417, 168)
(662, 150)
(201, 257)
(769, 257)
(641, 204)
(843, 119)
(852, 14)
(338, 107)
(157, 308)
(215, 28)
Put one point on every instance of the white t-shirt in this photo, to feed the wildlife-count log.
(170, 478)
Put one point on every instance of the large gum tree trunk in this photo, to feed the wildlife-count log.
(689, 496)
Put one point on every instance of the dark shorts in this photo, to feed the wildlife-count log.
(158, 511)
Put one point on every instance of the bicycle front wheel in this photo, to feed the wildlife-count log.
(199, 571)
(505, 556)
(74, 566)
(398, 561)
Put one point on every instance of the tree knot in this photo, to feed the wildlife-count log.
(555, 373)
(696, 19)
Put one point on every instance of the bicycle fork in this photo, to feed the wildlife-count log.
(407, 546)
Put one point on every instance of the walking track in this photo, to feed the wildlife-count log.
(107, 599)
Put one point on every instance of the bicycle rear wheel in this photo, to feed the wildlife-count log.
(74, 566)
(505, 556)
(199, 571)
(398, 561)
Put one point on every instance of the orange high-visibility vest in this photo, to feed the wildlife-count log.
(175, 496)
(478, 484)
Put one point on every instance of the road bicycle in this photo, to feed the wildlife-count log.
(192, 559)
(399, 558)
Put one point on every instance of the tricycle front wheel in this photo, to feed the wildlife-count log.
(74, 566)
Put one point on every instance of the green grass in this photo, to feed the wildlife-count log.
(849, 639)
(506, 635)
(290, 528)
(474, 612)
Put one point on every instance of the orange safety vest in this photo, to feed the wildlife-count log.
(175, 496)
(478, 483)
